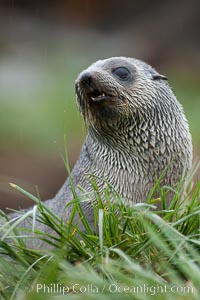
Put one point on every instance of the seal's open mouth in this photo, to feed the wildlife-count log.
(97, 96)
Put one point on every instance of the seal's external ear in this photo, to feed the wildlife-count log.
(157, 76)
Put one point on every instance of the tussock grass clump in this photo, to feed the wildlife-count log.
(137, 252)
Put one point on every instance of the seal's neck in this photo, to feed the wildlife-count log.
(115, 138)
(121, 167)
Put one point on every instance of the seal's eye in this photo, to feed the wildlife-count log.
(122, 73)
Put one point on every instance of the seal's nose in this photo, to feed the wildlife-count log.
(86, 78)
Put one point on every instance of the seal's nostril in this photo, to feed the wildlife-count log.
(86, 78)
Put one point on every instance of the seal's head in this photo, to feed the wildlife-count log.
(113, 89)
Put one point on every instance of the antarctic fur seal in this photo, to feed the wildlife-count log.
(136, 131)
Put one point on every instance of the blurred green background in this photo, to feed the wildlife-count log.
(43, 47)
